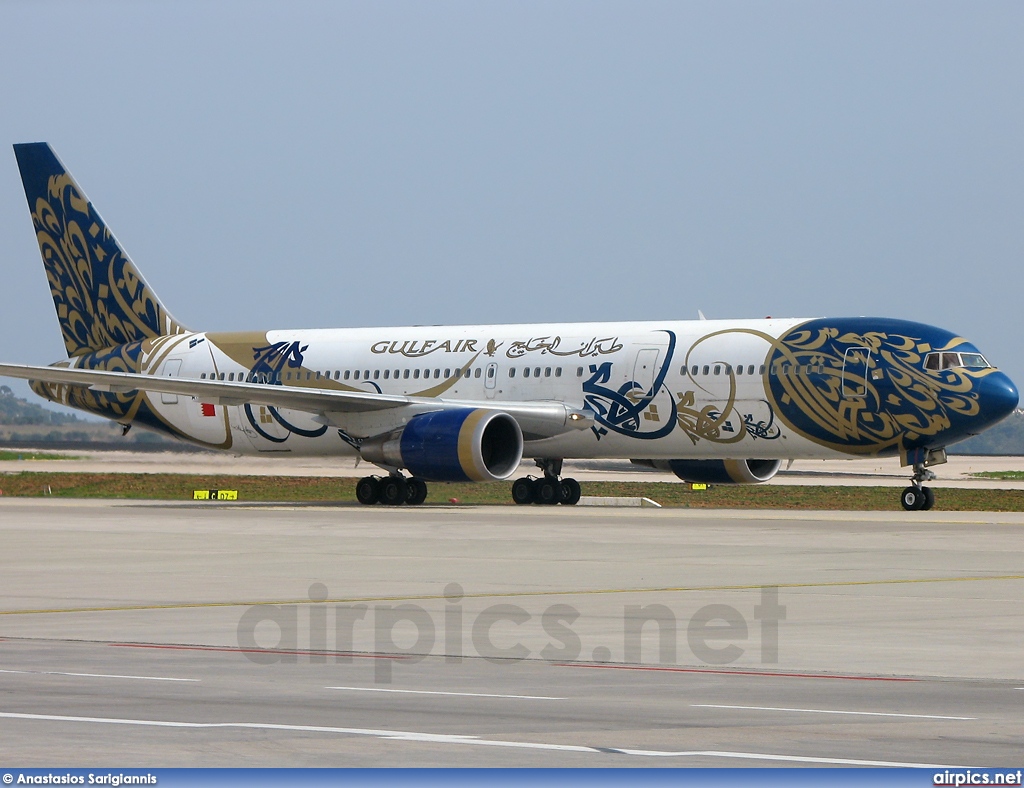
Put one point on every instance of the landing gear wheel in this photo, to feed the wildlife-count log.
(570, 492)
(547, 491)
(522, 491)
(368, 490)
(417, 492)
(913, 498)
(929, 499)
(393, 491)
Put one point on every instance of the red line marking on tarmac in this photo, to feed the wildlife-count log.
(230, 650)
(761, 673)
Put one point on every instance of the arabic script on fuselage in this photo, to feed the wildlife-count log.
(587, 349)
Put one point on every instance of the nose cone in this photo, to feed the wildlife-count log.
(997, 398)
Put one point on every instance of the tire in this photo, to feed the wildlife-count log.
(368, 490)
(393, 491)
(547, 491)
(522, 491)
(929, 499)
(570, 492)
(417, 492)
(912, 499)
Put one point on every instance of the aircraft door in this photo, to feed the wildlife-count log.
(855, 372)
(490, 380)
(645, 368)
(171, 369)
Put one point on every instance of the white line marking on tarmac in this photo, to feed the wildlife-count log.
(94, 675)
(833, 711)
(449, 738)
(437, 692)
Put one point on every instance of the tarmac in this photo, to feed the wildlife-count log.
(197, 634)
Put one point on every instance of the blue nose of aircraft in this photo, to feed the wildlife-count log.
(997, 398)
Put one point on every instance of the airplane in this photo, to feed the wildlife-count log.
(712, 401)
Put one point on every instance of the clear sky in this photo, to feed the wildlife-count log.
(318, 164)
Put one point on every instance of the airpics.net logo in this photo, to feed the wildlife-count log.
(325, 630)
(959, 777)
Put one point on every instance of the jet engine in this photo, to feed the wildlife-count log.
(718, 471)
(465, 444)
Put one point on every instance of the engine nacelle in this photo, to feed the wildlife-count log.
(718, 471)
(468, 444)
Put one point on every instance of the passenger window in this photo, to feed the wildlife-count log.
(547, 372)
(468, 373)
(536, 372)
(558, 372)
(707, 369)
(490, 372)
(437, 373)
(511, 372)
(526, 372)
(718, 369)
(750, 369)
(728, 369)
(447, 374)
(739, 370)
(387, 374)
(694, 370)
(579, 372)
(347, 374)
(202, 376)
(405, 375)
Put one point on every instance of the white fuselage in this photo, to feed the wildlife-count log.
(714, 370)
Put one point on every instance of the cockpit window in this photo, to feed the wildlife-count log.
(975, 360)
(940, 361)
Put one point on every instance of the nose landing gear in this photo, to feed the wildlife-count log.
(917, 497)
(549, 489)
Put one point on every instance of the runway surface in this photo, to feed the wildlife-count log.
(176, 635)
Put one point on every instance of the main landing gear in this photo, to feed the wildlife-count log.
(917, 497)
(393, 490)
(549, 489)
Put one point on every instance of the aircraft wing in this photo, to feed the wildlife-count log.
(537, 419)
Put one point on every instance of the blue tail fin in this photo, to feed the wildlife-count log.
(101, 298)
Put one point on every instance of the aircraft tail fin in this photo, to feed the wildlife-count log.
(101, 298)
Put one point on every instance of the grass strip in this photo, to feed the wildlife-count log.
(176, 486)
(33, 455)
